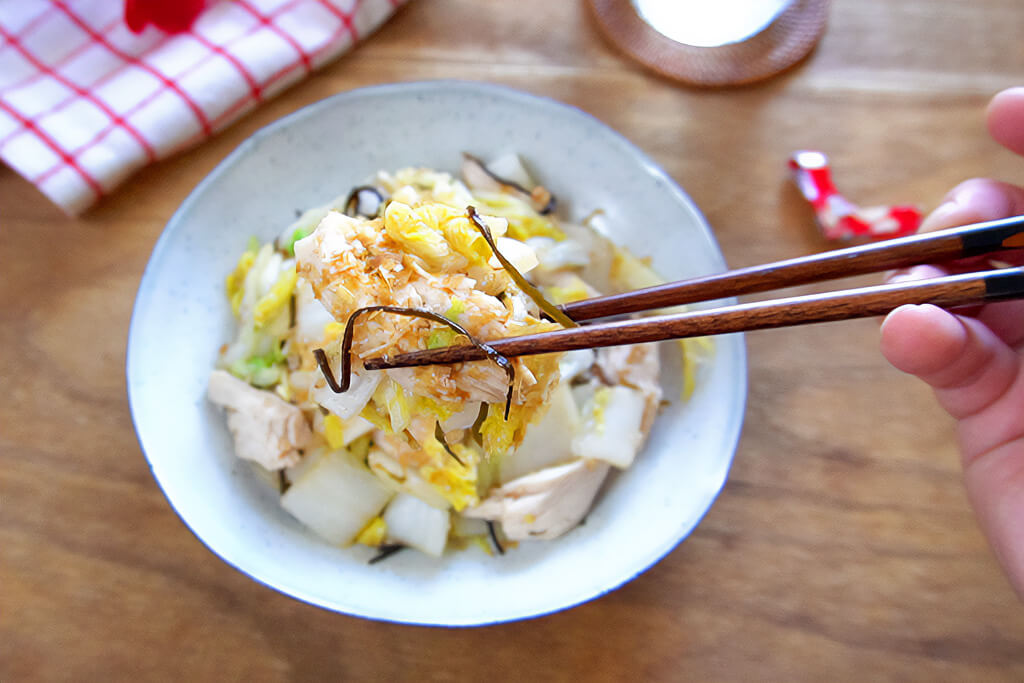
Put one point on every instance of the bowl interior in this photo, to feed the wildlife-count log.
(181, 317)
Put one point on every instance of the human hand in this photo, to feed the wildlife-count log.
(976, 364)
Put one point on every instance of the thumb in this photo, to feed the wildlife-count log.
(967, 365)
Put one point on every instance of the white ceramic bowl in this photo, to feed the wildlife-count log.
(181, 317)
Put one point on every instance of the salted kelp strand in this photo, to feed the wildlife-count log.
(551, 310)
(439, 435)
(385, 552)
(354, 201)
(494, 537)
(539, 198)
(325, 370)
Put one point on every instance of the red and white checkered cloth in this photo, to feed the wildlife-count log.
(84, 102)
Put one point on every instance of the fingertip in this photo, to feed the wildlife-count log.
(975, 201)
(922, 339)
(1005, 119)
(966, 364)
(949, 214)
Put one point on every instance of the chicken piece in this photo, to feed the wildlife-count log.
(266, 429)
(637, 367)
(544, 504)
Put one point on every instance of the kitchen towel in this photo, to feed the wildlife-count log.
(85, 100)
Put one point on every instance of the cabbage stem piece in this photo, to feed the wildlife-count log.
(336, 498)
(414, 523)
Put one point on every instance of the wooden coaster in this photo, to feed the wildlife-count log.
(785, 41)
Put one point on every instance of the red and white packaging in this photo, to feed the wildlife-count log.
(838, 217)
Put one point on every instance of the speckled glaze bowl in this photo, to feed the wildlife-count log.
(181, 317)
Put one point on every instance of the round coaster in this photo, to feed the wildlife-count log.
(784, 41)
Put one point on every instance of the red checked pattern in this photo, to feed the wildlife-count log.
(84, 101)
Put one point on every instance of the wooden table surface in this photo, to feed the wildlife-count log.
(842, 547)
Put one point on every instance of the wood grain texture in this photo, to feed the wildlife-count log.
(873, 257)
(842, 547)
(863, 302)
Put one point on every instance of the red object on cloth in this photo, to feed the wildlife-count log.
(173, 17)
(85, 100)
(839, 218)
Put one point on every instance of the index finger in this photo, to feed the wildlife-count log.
(1005, 118)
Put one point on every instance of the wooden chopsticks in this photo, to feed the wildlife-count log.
(947, 292)
(934, 247)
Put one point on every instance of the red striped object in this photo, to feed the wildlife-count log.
(839, 218)
(92, 90)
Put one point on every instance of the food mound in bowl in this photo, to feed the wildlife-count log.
(490, 452)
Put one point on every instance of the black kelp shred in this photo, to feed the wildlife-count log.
(494, 538)
(545, 210)
(439, 435)
(352, 201)
(386, 551)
